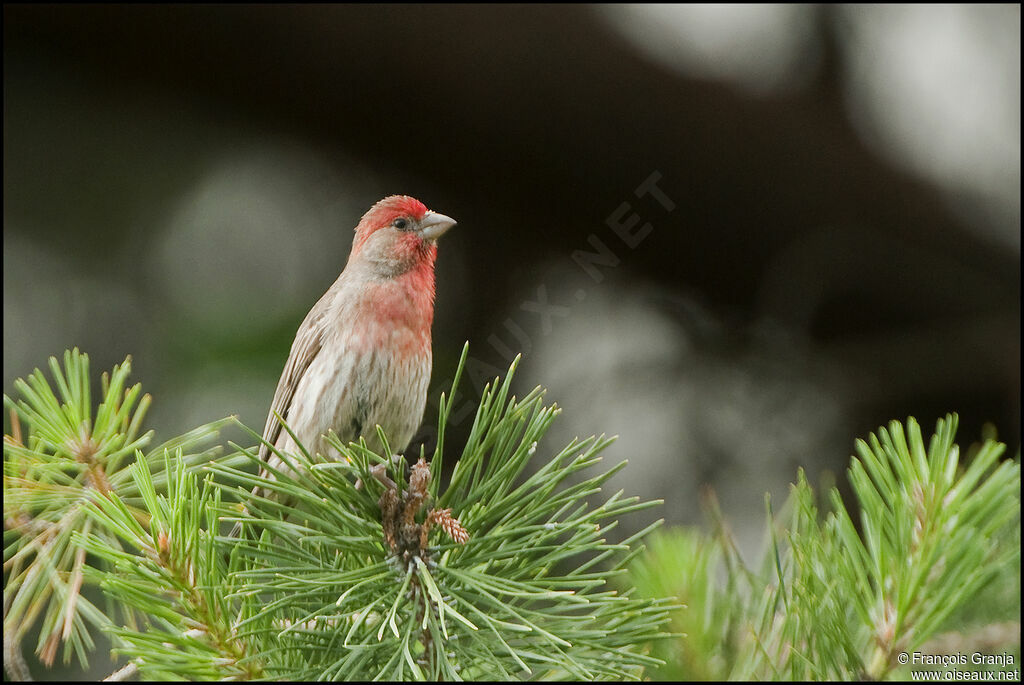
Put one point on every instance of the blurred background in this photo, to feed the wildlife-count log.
(738, 237)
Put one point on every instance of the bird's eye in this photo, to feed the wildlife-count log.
(400, 224)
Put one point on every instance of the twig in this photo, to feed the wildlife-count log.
(126, 672)
(14, 661)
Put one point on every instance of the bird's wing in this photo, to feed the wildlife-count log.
(307, 344)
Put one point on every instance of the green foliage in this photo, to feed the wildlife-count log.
(363, 566)
(354, 569)
(523, 597)
(841, 595)
(685, 563)
(175, 574)
(68, 457)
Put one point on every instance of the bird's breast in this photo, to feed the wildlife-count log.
(398, 314)
(374, 366)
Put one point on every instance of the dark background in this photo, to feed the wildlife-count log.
(843, 248)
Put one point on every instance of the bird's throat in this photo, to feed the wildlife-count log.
(402, 308)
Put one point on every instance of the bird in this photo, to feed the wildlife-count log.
(362, 355)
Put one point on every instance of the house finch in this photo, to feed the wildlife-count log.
(361, 357)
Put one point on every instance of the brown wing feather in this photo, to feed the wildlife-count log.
(308, 340)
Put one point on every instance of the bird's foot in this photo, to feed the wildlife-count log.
(380, 472)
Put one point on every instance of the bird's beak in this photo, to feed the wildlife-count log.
(434, 225)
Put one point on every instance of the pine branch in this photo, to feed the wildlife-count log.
(67, 457)
(837, 600)
(496, 576)
(179, 581)
(349, 570)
